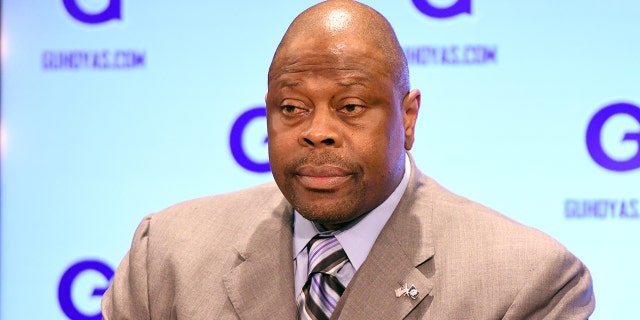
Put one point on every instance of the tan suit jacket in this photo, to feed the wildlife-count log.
(230, 257)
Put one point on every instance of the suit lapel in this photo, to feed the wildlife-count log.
(261, 286)
(405, 243)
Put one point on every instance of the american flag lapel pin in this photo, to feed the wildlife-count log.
(406, 290)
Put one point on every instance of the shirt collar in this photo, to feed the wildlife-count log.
(357, 238)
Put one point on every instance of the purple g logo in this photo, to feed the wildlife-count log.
(112, 11)
(69, 278)
(594, 141)
(459, 7)
(235, 140)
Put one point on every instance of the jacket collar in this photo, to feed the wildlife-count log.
(261, 286)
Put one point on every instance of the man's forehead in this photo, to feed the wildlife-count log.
(341, 35)
(345, 72)
(338, 55)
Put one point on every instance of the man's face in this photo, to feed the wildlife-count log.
(336, 128)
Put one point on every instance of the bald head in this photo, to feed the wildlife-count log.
(344, 21)
(340, 115)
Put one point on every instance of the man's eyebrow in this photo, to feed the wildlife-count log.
(351, 83)
(343, 83)
(289, 84)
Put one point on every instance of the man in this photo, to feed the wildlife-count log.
(353, 229)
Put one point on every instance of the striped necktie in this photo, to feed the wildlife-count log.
(322, 290)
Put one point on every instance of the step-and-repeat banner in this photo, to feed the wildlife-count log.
(113, 109)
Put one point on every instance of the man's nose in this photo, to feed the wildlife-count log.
(321, 130)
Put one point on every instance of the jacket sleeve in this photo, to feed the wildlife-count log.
(558, 288)
(128, 294)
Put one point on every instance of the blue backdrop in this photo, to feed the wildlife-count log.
(113, 109)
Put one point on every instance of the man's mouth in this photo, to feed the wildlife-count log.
(322, 177)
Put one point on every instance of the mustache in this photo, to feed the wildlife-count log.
(321, 159)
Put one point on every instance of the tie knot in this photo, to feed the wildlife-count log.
(325, 255)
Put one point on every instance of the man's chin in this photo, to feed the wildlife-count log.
(328, 214)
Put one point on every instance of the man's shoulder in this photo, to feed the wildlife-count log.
(223, 213)
(235, 201)
(519, 269)
(470, 222)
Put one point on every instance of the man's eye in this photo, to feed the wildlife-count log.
(351, 109)
(291, 110)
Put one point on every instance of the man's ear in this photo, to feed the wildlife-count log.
(410, 108)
